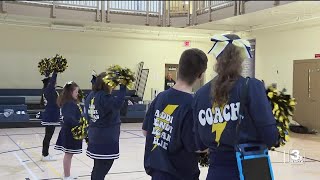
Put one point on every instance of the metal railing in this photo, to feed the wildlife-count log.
(79, 4)
(204, 6)
(142, 6)
(153, 7)
(164, 10)
(178, 7)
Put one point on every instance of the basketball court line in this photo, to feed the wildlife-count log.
(26, 134)
(311, 159)
(133, 133)
(132, 129)
(15, 150)
(82, 161)
(49, 166)
(73, 156)
(126, 131)
(4, 152)
(26, 154)
(26, 167)
(115, 173)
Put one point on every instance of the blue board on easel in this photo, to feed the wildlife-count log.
(254, 162)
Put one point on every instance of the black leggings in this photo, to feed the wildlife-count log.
(101, 168)
(46, 141)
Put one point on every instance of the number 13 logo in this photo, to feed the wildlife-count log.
(295, 155)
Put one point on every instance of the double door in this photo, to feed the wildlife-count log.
(306, 90)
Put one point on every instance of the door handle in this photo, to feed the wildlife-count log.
(309, 85)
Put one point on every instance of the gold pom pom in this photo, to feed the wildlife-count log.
(59, 64)
(80, 132)
(282, 108)
(47, 66)
(118, 75)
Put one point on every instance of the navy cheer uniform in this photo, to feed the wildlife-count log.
(216, 126)
(103, 112)
(71, 114)
(170, 143)
(51, 114)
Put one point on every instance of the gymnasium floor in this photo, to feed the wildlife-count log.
(20, 153)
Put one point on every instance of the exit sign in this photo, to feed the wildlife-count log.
(317, 55)
(186, 43)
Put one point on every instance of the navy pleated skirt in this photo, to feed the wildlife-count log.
(104, 142)
(67, 143)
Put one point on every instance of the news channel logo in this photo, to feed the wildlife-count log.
(296, 156)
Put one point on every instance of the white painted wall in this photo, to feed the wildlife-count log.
(21, 48)
(276, 50)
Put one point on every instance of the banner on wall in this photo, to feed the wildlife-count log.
(248, 65)
(248, 68)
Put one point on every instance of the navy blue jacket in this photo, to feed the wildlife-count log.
(105, 111)
(51, 114)
(71, 115)
(170, 142)
(216, 126)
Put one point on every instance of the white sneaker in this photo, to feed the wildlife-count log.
(48, 158)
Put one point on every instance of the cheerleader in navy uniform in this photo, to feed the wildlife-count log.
(71, 113)
(51, 114)
(216, 110)
(103, 111)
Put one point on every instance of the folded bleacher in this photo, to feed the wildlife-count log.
(13, 109)
(22, 105)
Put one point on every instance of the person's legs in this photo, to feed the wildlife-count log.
(67, 164)
(49, 131)
(101, 168)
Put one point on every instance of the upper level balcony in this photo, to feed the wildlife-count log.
(147, 13)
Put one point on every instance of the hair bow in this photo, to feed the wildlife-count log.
(221, 42)
(94, 77)
(68, 83)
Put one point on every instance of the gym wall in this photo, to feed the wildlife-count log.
(277, 48)
(21, 48)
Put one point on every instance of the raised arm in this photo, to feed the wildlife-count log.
(52, 82)
(119, 100)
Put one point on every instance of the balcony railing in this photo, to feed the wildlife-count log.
(152, 7)
(204, 6)
(164, 11)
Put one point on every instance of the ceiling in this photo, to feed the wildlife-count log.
(293, 14)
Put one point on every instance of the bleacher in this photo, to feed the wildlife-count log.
(13, 109)
(19, 107)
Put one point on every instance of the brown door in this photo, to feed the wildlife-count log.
(173, 70)
(306, 90)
